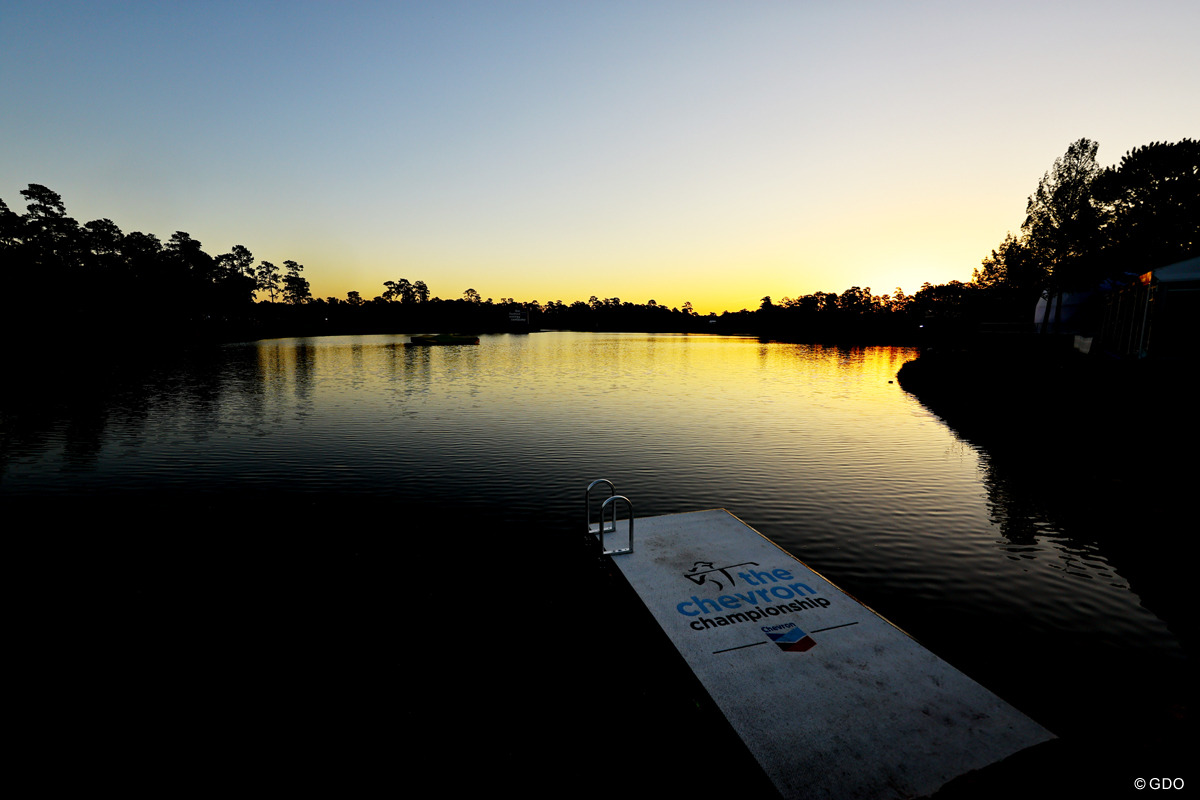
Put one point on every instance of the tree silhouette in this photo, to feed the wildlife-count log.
(141, 252)
(1062, 223)
(235, 279)
(103, 238)
(238, 262)
(399, 291)
(51, 237)
(1082, 224)
(296, 290)
(1012, 267)
(268, 279)
(11, 227)
(1150, 206)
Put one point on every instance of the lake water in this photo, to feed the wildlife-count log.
(478, 455)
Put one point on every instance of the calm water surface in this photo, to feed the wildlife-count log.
(816, 447)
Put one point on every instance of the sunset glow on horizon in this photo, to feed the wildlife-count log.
(678, 151)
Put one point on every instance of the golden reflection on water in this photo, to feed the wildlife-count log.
(816, 447)
(644, 384)
(623, 402)
(817, 444)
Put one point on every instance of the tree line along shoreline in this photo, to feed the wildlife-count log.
(1085, 226)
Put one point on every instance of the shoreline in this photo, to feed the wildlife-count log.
(1095, 442)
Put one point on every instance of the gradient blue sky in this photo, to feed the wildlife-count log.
(711, 152)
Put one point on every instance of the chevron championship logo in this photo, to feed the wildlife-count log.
(789, 637)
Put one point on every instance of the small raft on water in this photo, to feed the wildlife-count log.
(832, 700)
(441, 338)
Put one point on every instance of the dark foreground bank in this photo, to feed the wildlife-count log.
(1117, 437)
(278, 642)
(272, 643)
(1106, 448)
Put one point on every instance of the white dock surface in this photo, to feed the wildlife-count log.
(831, 699)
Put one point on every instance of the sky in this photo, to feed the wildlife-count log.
(708, 152)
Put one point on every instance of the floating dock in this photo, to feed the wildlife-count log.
(831, 699)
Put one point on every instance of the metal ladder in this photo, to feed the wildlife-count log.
(613, 497)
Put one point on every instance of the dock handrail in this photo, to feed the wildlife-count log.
(600, 529)
(587, 497)
(603, 530)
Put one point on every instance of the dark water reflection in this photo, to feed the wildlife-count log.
(473, 453)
